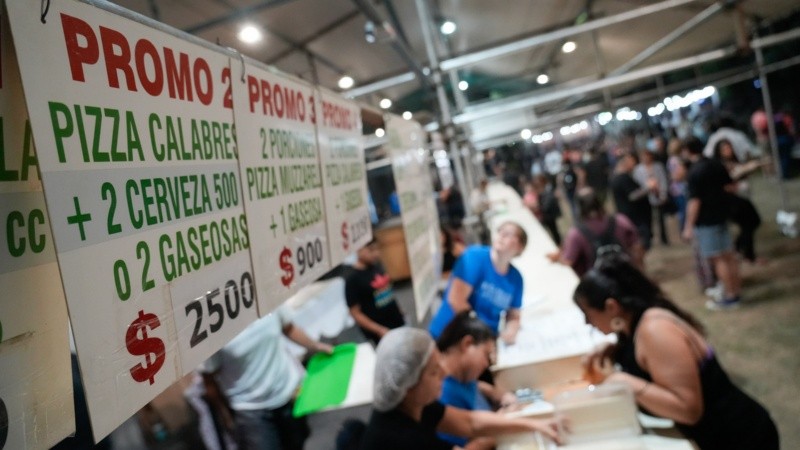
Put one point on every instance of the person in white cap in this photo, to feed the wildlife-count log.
(407, 414)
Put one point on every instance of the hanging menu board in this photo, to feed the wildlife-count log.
(36, 409)
(135, 139)
(417, 208)
(279, 163)
(345, 175)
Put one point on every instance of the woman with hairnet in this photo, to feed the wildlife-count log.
(407, 414)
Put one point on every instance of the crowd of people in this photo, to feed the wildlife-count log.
(686, 178)
(432, 388)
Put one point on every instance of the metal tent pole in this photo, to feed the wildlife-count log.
(444, 105)
(773, 136)
(673, 36)
(525, 43)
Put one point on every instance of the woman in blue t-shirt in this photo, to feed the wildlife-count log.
(468, 348)
(484, 280)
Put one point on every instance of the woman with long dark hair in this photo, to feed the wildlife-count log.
(742, 211)
(667, 361)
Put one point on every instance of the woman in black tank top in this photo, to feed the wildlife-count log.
(667, 362)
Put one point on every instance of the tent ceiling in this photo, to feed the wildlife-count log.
(332, 33)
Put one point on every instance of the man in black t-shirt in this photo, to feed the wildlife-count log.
(596, 173)
(706, 221)
(369, 295)
(630, 198)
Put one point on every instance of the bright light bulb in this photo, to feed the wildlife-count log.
(385, 103)
(380, 132)
(569, 47)
(250, 34)
(542, 79)
(346, 82)
(525, 134)
(407, 115)
(463, 85)
(448, 27)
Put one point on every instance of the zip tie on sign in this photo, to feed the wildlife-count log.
(240, 55)
(44, 8)
(241, 59)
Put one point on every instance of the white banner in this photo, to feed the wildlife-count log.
(417, 208)
(135, 138)
(342, 158)
(36, 409)
(279, 163)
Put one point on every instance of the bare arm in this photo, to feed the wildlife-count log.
(496, 395)
(297, 335)
(641, 179)
(461, 422)
(458, 295)
(663, 182)
(217, 400)
(692, 210)
(638, 193)
(580, 173)
(666, 353)
(509, 334)
(366, 323)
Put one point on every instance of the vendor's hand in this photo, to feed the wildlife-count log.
(599, 369)
(598, 365)
(509, 336)
(321, 347)
(619, 378)
(548, 427)
(507, 399)
(555, 256)
(652, 184)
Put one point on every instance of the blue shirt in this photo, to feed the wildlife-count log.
(492, 293)
(464, 396)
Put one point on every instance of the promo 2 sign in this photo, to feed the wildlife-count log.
(136, 146)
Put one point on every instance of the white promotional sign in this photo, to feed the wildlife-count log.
(417, 208)
(135, 138)
(282, 190)
(345, 175)
(36, 409)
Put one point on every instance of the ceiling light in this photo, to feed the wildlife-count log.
(448, 27)
(542, 79)
(385, 103)
(380, 132)
(369, 32)
(346, 82)
(525, 134)
(407, 115)
(569, 47)
(250, 34)
(463, 85)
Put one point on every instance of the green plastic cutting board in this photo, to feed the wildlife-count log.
(326, 381)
